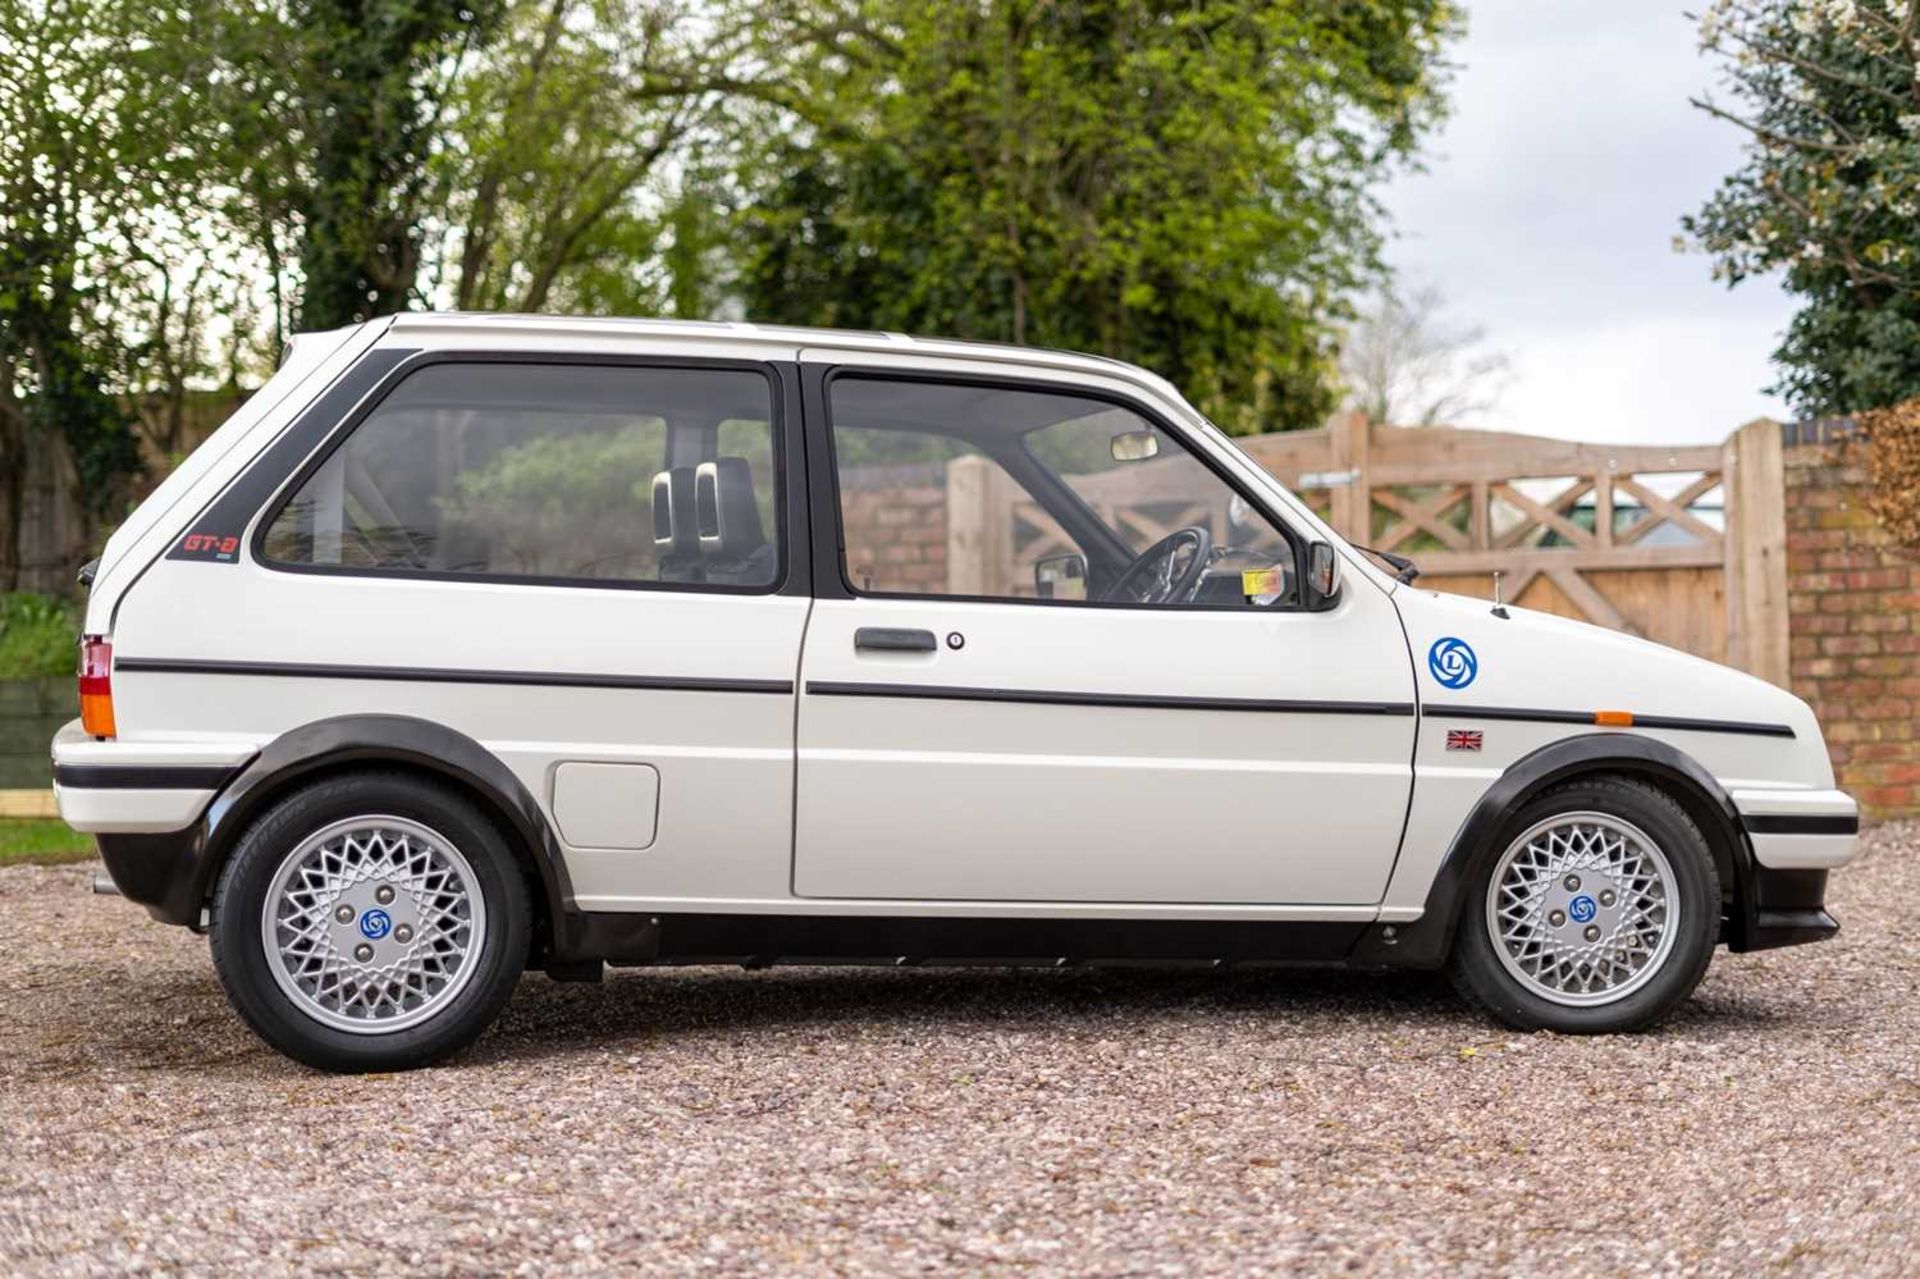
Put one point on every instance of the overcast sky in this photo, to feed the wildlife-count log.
(1548, 212)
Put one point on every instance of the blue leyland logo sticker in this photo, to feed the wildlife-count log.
(375, 924)
(1452, 662)
(1582, 908)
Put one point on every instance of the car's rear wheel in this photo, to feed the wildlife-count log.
(1597, 910)
(374, 921)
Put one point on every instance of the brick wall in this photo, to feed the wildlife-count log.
(896, 526)
(1854, 649)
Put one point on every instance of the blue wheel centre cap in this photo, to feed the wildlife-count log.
(1582, 908)
(376, 924)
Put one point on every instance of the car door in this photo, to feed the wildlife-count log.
(996, 708)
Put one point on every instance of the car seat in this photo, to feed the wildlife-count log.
(676, 533)
(733, 545)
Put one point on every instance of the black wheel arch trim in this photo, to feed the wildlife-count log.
(173, 874)
(1426, 942)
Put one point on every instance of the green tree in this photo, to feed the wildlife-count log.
(373, 77)
(1186, 185)
(1828, 93)
(97, 141)
(565, 145)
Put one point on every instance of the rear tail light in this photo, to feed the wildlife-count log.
(96, 685)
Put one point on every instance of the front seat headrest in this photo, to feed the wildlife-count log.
(725, 508)
(674, 529)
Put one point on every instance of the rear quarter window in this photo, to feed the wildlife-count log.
(548, 472)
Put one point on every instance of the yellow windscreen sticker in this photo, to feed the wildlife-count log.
(1260, 581)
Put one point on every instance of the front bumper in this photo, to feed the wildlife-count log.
(1800, 829)
(1797, 837)
(1789, 908)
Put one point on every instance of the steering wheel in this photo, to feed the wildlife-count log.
(1157, 575)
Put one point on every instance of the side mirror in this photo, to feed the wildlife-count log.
(1060, 577)
(1134, 446)
(1323, 577)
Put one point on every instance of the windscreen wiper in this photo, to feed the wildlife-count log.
(1404, 569)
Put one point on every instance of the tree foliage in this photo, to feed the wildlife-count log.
(374, 81)
(1186, 185)
(96, 133)
(555, 180)
(1828, 93)
(1893, 463)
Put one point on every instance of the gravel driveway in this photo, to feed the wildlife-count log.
(862, 1121)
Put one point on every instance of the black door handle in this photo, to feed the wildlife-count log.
(894, 639)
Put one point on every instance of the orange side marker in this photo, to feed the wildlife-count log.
(1613, 719)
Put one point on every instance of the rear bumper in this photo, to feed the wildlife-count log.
(143, 803)
(163, 873)
(138, 788)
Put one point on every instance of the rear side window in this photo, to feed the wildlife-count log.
(565, 473)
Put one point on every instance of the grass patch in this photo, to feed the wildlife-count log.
(39, 636)
(41, 841)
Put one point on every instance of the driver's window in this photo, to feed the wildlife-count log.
(990, 492)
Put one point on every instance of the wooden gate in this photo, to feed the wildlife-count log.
(1683, 545)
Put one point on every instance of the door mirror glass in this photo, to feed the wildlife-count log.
(1060, 577)
(1322, 576)
(1134, 446)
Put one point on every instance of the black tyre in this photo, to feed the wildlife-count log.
(1596, 910)
(371, 921)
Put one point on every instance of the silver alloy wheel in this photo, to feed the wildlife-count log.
(1583, 909)
(373, 924)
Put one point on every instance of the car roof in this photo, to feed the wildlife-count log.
(783, 336)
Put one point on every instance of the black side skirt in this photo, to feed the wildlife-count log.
(761, 940)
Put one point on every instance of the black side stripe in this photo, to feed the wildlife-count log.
(1792, 824)
(143, 776)
(1712, 725)
(450, 675)
(1142, 701)
(1544, 716)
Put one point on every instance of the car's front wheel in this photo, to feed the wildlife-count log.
(1597, 911)
(373, 921)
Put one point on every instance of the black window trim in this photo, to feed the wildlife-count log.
(786, 519)
(830, 539)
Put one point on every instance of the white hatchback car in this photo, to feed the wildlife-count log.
(477, 642)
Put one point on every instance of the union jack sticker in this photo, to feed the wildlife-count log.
(1463, 739)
